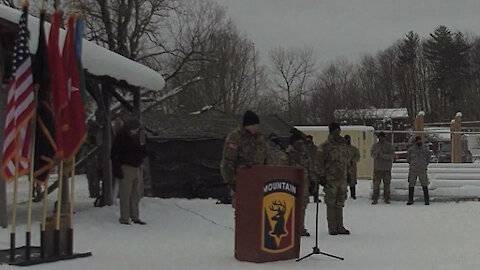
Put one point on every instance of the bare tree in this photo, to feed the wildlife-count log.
(291, 71)
(222, 56)
(125, 26)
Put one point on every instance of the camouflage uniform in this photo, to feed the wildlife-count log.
(241, 150)
(301, 160)
(418, 157)
(333, 167)
(353, 158)
(275, 155)
(383, 154)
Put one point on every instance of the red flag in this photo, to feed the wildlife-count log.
(58, 83)
(75, 131)
(20, 106)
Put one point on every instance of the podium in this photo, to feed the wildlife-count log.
(268, 213)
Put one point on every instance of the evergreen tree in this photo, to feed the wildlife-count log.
(446, 53)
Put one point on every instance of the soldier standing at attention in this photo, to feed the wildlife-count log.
(333, 168)
(244, 147)
(418, 157)
(383, 154)
(353, 158)
(298, 157)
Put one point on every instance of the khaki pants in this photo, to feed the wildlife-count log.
(377, 179)
(130, 193)
(413, 175)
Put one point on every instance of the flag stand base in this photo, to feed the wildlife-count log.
(57, 245)
(35, 257)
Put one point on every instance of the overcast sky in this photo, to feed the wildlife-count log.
(347, 28)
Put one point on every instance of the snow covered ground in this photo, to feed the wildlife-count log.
(198, 234)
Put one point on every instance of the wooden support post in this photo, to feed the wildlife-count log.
(136, 100)
(419, 124)
(457, 139)
(107, 176)
(452, 130)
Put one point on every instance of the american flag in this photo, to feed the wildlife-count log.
(20, 106)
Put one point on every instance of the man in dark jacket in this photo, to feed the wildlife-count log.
(128, 153)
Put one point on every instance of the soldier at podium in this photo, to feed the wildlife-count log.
(244, 147)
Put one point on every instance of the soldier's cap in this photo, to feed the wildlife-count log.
(347, 137)
(295, 137)
(381, 135)
(333, 126)
(250, 118)
(272, 136)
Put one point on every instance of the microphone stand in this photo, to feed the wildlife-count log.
(316, 249)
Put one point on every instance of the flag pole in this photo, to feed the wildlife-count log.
(32, 179)
(14, 208)
(44, 221)
(59, 207)
(72, 202)
(43, 238)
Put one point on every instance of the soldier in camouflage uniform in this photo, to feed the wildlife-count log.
(383, 155)
(312, 150)
(332, 168)
(298, 157)
(418, 157)
(353, 158)
(276, 156)
(244, 147)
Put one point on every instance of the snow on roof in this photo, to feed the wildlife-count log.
(345, 128)
(372, 113)
(96, 59)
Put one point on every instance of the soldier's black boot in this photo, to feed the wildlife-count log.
(426, 196)
(332, 220)
(340, 228)
(353, 192)
(410, 195)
